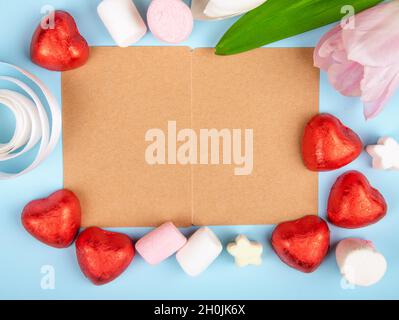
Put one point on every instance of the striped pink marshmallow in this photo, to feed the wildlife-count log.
(160, 243)
(170, 20)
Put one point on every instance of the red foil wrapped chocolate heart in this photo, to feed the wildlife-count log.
(354, 203)
(59, 46)
(303, 243)
(54, 220)
(328, 145)
(103, 255)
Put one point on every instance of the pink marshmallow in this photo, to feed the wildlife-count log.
(160, 243)
(170, 20)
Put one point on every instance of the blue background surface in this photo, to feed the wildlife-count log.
(21, 257)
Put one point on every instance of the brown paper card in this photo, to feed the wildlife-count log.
(107, 107)
(274, 92)
(111, 102)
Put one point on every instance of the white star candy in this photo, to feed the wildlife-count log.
(385, 154)
(245, 252)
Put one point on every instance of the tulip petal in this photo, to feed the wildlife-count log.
(323, 58)
(330, 56)
(378, 86)
(228, 8)
(198, 8)
(346, 78)
(364, 60)
(374, 40)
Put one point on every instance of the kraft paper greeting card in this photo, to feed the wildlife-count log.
(152, 134)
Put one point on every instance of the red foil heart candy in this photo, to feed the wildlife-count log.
(354, 203)
(59, 46)
(303, 243)
(103, 255)
(328, 145)
(55, 220)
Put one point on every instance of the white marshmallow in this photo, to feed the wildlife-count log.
(359, 262)
(385, 154)
(201, 249)
(122, 20)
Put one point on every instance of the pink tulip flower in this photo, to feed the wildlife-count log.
(362, 60)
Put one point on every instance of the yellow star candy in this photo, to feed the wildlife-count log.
(245, 252)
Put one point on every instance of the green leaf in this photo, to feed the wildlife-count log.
(280, 19)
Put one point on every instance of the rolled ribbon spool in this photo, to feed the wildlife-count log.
(32, 124)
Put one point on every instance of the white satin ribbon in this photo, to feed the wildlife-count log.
(32, 122)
